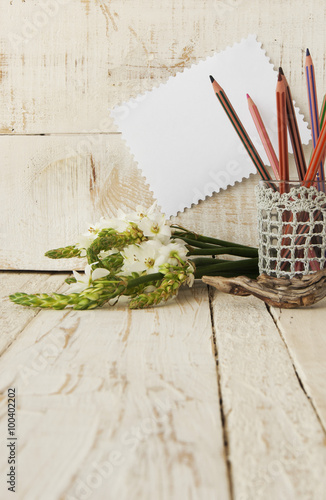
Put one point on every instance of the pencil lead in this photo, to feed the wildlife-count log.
(279, 77)
(248, 96)
(307, 52)
(211, 78)
(281, 70)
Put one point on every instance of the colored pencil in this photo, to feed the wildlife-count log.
(264, 136)
(240, 130)
(294, 131)
(317, 156)
(322, 113)
(322, 119)
(282, 131)
(313, 107)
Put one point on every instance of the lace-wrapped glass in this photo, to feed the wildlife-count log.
(291, 227)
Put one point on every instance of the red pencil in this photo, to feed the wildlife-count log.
(264, 136)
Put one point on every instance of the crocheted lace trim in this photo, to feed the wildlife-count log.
(291, 230)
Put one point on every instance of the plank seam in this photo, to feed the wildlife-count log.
(301, 383)
(222, 413)
(58, 134)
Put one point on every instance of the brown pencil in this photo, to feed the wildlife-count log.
(240, 130)
(282, 131)
(294, 132)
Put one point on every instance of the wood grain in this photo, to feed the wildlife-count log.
(276, 443)
(13, 319)
(304, 334)
(114, 404)
(66, 184)
(59, 77)
(122, 403)
(62, 77)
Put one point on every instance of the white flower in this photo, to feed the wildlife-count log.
(106, 253)
(86, 239)
(150, 221)
(119, 225)
(149, 255)
(140, 258)
(85, 280)
(155, 227)
(139, 213)
(168, 254)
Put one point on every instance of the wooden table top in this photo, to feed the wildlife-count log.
(210, 397)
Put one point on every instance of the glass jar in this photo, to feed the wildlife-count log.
(291, 227)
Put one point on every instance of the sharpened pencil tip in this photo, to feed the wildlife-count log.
(307, 52)
(248, 96)
(211, 78)
(280, 70)
(279, 77)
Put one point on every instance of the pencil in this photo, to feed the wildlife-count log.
(294, 131)
(264, 136)
(282, 131)
(240, 130)
(313, 107)
(317, 156)
(322, 113)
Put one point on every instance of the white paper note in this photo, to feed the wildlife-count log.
(182, 139)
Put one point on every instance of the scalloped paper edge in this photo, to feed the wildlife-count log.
(158, 86)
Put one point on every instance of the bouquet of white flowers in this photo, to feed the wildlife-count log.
(141, 256)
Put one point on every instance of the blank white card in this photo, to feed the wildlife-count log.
(182, 139)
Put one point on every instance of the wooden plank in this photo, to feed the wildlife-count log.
(304, 332)
(58, 76)
(67, 182)
(275, 440)
(13, 319)
(118, 404)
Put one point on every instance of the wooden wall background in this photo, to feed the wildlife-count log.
(65, 63)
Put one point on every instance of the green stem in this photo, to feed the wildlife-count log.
(207, 261)
(241, 252)
(147, 278)
(234, 267)
(207, 239)
(194, 243)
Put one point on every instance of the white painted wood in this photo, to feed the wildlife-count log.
(143, 384)
(276, 443)
(54, 187)
(67, 182)
(13, 319)
(63, 76)
(304, 332)
(123, 404)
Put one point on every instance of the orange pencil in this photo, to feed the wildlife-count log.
(282, 131)
(317, 157)
(294, 132)
(313, 107)
(264, 136)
